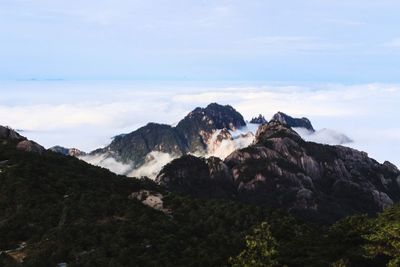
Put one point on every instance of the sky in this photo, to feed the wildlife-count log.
(76, 73)
(341, 41)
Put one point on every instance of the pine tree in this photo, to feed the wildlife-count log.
(260, 251)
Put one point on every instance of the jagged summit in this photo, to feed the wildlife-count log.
(259, 120)
(293, 122)
(199, 125)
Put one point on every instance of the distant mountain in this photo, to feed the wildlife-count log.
(67, 151)
(198, 126)
(314, 181)
(259, 120)
(293, 122)
(215, 130)
(193, 134)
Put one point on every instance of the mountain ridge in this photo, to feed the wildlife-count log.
(192, 134)
(280, 169)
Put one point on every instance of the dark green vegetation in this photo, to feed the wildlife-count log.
(353, 241)
(68, 211)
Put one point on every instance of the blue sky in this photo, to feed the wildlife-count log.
(350, 41)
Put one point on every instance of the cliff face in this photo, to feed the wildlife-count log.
(198, 177)
(314, 181)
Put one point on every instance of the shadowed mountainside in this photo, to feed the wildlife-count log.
(313, 181)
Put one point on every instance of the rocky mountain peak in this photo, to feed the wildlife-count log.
(275, 129)
(293, 122)
(259, 120)
(214, 116)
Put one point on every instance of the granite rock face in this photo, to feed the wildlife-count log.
(293, 122)
(198, 177)
(30, 146)
(317, 182)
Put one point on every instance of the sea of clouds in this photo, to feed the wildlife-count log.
(86, 115)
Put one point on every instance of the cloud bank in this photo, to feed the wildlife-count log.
(87, 115)
(324, 136)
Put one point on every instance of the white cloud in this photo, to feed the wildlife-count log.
(105, 161)
(155, 160)
(324, 136)
(86, 115)
(240, 138)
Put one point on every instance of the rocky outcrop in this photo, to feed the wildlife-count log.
(153, 200)
(74, 152)
(293, 122)
(259, 120)
(30, 146)
(313, 181)
(9, 135)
